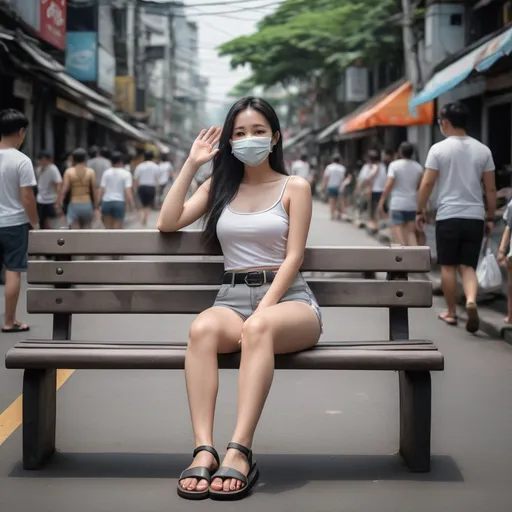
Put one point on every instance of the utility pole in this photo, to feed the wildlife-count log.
(410, 50)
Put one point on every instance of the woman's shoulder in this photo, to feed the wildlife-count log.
(298, 184)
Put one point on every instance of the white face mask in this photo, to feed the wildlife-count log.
(252, 150)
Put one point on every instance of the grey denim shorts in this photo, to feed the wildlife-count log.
(244, 300)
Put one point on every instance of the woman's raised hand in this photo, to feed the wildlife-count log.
(202, 150)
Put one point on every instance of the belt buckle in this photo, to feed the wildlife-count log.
(259, 281)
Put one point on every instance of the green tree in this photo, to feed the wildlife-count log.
(310, 38)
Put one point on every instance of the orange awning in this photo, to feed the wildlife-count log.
(392, 110)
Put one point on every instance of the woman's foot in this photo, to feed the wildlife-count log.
(448, 318)
(508, 320)
(236, 460)
(202, 459)
(16, 327)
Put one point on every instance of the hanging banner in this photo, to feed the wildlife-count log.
(53, 22)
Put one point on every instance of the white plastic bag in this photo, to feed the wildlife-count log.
(488, 272)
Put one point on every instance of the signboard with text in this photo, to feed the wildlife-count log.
(82, 56)
(52, 22)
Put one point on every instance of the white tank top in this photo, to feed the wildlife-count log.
(254, 240)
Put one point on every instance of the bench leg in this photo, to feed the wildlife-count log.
(415, 419)
(39, 417)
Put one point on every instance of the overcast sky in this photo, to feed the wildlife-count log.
(216, 29)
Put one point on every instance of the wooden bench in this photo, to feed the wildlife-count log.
(192, 277)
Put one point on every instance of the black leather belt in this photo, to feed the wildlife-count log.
(254, 278)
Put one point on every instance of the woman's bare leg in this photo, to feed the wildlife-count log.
(108, 222)
(410, 233)
(397, 234)
(284, 328)
(214, 331)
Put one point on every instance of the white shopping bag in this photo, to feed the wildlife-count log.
(488, 271)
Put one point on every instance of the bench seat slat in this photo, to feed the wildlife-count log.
(174, 359)
(382, 345)
(181, 344)
(188, 243)
(186, 300)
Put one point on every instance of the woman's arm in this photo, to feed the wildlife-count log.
(387, 189)
(300, 209)
(96, 198)
(65, 187)
(505, 241)
(176, 213)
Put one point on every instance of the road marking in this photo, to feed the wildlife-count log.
(12, 417)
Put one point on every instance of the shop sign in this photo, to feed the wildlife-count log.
(81, 56)
(356, 84)
(53, 22)
(106, 71)
(125, 94)
(74, 110)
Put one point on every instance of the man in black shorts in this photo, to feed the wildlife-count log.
(49, 182)
(459, 164)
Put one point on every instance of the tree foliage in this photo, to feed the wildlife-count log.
(306, 38)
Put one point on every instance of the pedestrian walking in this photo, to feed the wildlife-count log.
(146, 178)
(165, 175)
(260, 217)
(49, 184)
(373, 180)
(404, 176)
(301, 167)
(79, 193)
(459, 164)
(99, 162)
(333, 178)
(505, 258)
(18, 210)
(115, 193)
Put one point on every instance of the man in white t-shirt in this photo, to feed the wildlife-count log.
(334, 176)
(404, 176)
(146, 176)
(18, 210)
(301, 167)
(459, 164)
(49, 183)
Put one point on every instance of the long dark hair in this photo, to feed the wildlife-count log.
(228, 171)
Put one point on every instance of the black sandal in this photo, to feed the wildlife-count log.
(199, 472)
(225, 473)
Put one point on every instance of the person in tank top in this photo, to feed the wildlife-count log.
(80, 183)
(260, 217)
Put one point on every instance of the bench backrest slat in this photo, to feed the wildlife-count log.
(188, 243)
(348, 293)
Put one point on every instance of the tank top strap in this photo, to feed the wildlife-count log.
(284, 188)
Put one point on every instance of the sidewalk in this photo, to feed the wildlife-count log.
(492, 307)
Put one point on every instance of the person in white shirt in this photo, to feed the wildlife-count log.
(115, 193)
(146, 178)
(49, 183)
(165, 175)
(460, 164)
(373, 179)
(18, 210)
(404, 177)
(301, 167)
(333, 178)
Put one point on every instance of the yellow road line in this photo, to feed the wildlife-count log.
(12, 417)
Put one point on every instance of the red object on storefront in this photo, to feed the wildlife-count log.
(53, 22)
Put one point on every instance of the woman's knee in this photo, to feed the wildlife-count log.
(256, 331)
(205, 331)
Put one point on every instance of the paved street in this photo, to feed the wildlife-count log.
(326, 441)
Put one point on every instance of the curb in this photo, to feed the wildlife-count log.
(491, 327)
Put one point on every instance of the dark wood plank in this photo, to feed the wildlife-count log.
(415, 419)
(174, 359)
(174, 272)
(383, 345)
(349, 293)
(39, 416)
(181, 344)
(188, 243)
